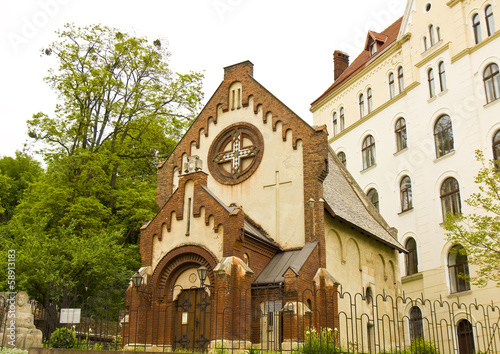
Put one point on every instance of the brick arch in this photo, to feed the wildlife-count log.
(180, 259)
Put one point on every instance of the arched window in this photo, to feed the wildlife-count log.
(401, 81)
(361, 106)
(406, 195)
(342, 157)
(476, 28)
(442, 77)
(490, 20)
(450, 197)
(443, 136)
(491, 78)
(425, 43)
(416, 323)
(431, 34)
(465, 337)
(458, 267)
(438, 31)
(411, 257)
(335, 123)
(496, 147)
(400, 130)
(373, 197)
(368, 151)
(430, 79)
(341, 118)
(392, 90)
(369, 100)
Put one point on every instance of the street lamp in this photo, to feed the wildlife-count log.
(202, 274)
(137, 280)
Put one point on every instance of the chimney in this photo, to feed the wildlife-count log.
(340, 63)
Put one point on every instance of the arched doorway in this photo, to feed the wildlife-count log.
(465, 337)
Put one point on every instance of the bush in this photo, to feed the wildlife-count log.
(62, 338)
(420, 346)
(322, 341)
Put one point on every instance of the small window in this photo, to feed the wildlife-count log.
(428, 7)
(425, 43)
(442, 77)
(341, 118)
(496, 147)
(438, 32)
(406, 194)
(490, 20)
(476, 28)
(431, 35)
(361, 106)
(458, 267)
(342, 157)
(369, 99)
(443, 136)
(400, 130)
(411, 258)
(401, 79)
(416, 323)
(491, 79)
(465, 337)
(392, 90)
(430, 79)
(450, 197)
(368, 151)
(373, 197)
(335, 123)
(373, 48)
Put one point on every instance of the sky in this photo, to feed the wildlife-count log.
(290, 43)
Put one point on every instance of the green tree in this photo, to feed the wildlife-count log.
(122, 111)
(478, 232)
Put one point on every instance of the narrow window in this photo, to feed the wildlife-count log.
(401, 79)
(406, 195)
(400, 131)
(373, 197)
(342, 119)
(361, 106)
(430, 79)
(438, 31)
(443, 136)
(373, 48)
(431, 35)
(425, 43)
(491, 79)
(392, 90)
(476, 27)
(496, 148)
(369, 98)
(334, 123)
(416, 323)
(368, 151)
(450, 197)
(458, 267)
(342, 157)
(442, 77)
(490, 20)
(465, 337)
(411, 258)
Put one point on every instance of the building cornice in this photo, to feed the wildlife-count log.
(433, 54)
(375, 111)
(452, 3)
(390, 51)
(476, 47)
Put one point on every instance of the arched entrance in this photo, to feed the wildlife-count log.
(188, 304)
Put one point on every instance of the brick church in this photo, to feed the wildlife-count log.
(260, 229)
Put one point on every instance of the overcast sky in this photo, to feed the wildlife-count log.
(290, 43)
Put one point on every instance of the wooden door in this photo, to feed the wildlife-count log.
(191, 325)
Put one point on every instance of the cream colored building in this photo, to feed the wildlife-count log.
(406, 116)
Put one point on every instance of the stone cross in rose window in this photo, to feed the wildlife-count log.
(236, 154)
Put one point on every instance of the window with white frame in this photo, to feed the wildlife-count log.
(368, 152)
(458, 267)
(411, 258)
(400, 131)
(450, 197)
(401, 81)
(430, 80)
(373, 197)
(392, 89)
(443, 136)
(361, 106)
(442, 76)
(476, 28)
(342, 119)
(406, 194)
(343, 158)
(490, 20)
(335, 123)
(369, 100)
(491, 78)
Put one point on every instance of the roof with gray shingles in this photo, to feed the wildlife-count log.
(346, 201)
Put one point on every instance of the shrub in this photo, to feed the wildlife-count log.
(62, 338)
(420, 346)
(322, 341)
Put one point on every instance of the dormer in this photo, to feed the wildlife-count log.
(374, 41)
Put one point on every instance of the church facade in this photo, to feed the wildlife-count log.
(254, 197)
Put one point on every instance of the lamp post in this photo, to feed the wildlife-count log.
(202, 274)
(137, 280)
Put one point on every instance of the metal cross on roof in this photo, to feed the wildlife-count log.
(236, 154)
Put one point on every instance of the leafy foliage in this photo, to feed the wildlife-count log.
(62, 338)
(478, 232)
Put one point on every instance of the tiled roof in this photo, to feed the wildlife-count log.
(345, 200)
(389, 35)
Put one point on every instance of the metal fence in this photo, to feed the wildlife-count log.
(268, 320)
